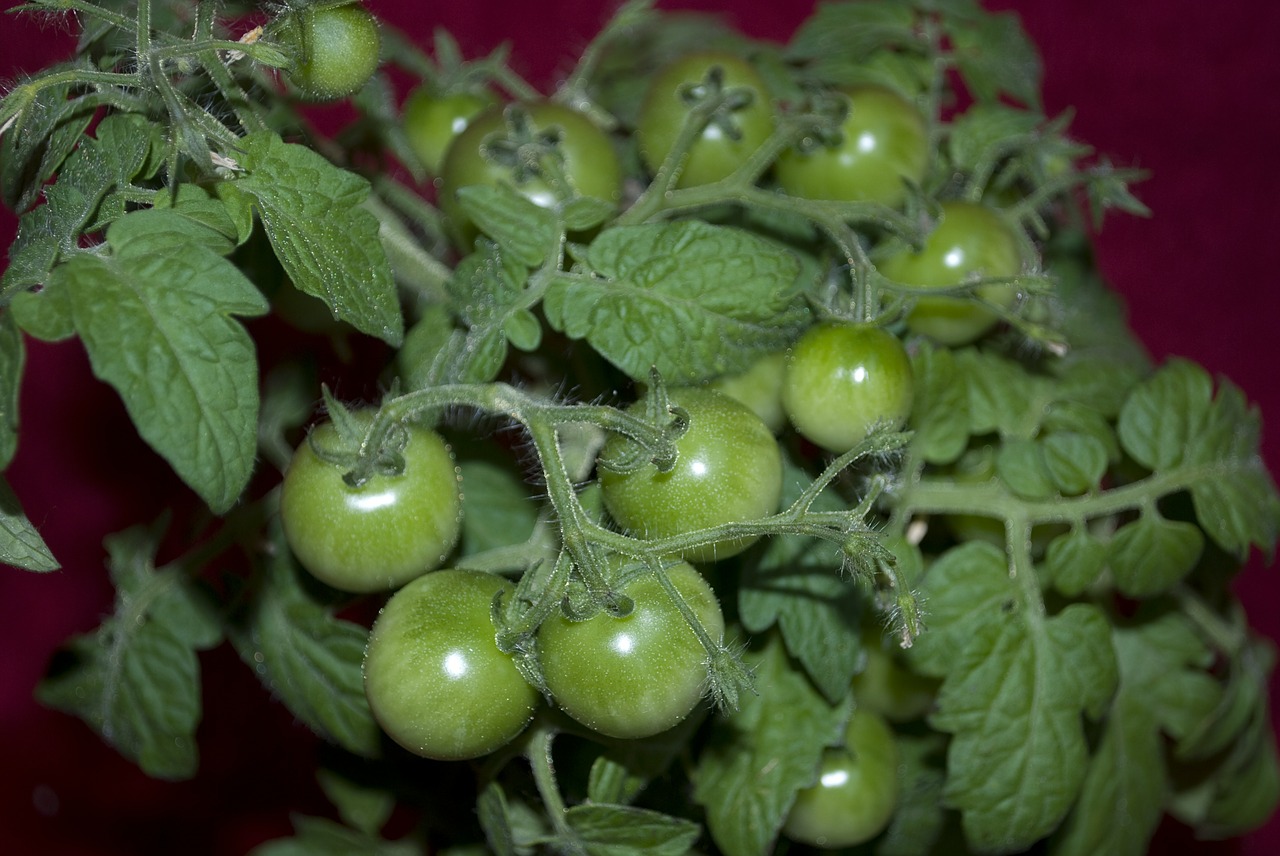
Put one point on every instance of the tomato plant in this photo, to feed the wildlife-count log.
(436, 680)
(728, 469)
(857, 788)
(729, 137)
(883, 145)
(432, 121)
(843, 380)
(336, 49)
(968, 240)
(645, 351)
(382, 533)
(637, 675)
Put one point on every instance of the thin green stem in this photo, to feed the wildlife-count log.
(538, 753)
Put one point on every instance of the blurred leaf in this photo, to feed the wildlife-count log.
(1151, 554)
(617, 830)
(940, 413)
(1161, 663)
(135, 680)
(1174, 425)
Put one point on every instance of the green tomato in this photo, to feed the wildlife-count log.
(336, 50)
(728, 469)
(884, 143)
(843, 380)
(727, 141)
(856, 792)
(381, 534)
(435, 678)
(886, 686)
(431, 122)
(638, 675)
(483, 155)
(759, 388)
(969, 241)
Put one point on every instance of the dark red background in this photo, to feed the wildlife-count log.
(1167, 85)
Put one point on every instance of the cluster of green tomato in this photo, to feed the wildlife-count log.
(436, 679)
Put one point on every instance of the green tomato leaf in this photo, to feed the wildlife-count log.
(1161, 664)
(12, 360)
(305, 656)
(1151, 554)
(53, 229)
(20, 544)
(1164, 415)
(527, 232)
(45, 314)
(940, 413)
(491, 807)
(626, 767)
(747, 778)
(586, 212)
(619, 830)
(995, 57)
(798, 584)
(1069, 417)
(692, 299)
(1076, 463)
(1238, 788)
(986, 132)
(1173, 424)
(490, 290)
(157, 325)
(1021, 465)
(37, 146)
(319, 836)
(135, 680)
(501, 510)
(327, 242)
(1016, 685)
(852, 31)
(1074, 560)
(360, 805)
(510, 826)
(1003, 396)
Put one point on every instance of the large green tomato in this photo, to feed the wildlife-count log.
(431, 122)
(884, 144)
(483, 155)
(436, 680)
(637, 675)
(856, 792)
(336, 50)
(969, 241)
(727, 141)
(843, 380)
(381, 534)
(728, 470)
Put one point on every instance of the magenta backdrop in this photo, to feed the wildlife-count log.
(1163, 84)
